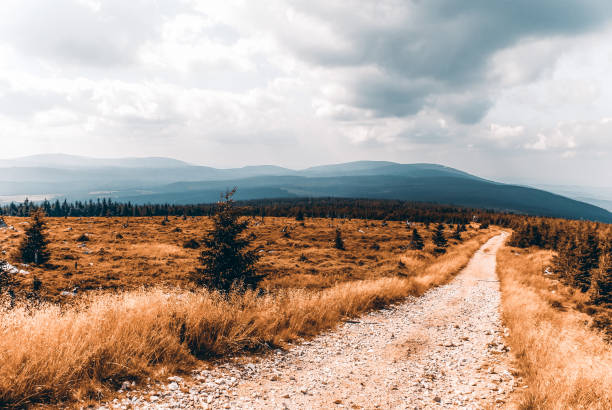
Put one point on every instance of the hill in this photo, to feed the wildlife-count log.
(164, 180)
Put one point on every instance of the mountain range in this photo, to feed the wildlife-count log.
(166, 180)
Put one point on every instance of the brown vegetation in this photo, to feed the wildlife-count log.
(130, 253)
(82, 350)
(564, 363)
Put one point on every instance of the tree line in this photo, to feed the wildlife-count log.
(393, 210)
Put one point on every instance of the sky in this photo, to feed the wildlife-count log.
(517, 91)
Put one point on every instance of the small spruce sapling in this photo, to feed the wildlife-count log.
(338, 241)
(416, 241)
(457, 233)
(439, 239)
(33, 247)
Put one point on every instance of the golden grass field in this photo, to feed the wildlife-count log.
(149, 253)
(157, 324)
(564, 362)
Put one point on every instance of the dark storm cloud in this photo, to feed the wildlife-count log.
(390, 96)
(444, 44)
(467, 108)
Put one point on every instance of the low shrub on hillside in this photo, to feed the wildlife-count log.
(83, 238)
(191, 244)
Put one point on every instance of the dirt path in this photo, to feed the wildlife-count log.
(443, 349)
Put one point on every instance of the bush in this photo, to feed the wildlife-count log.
(7, 278)
(191, 244)
(83, 238)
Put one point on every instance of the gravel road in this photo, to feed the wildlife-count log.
(442, 350)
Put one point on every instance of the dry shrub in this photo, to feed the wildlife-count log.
(83, 238)
(564, 364)
(191, 244)
(77, 352)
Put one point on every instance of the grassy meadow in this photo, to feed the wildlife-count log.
(130, 253)
(136, 314)
(563, 359)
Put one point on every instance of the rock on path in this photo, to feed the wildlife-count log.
(441, 350)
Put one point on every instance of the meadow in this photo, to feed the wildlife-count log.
(136, 314)
(130, 253)
(560, 351)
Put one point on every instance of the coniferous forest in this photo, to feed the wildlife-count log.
(583, 252)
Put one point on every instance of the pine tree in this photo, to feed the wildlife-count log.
(587, 260)
(226, 262)
(300, 215)
(416, 242)
(338, 241)
(564, 263)
(439, 240)
(519, 237)
(33, 247)
(457, 234)
(554, 239)
(535, 238)
(601, 282)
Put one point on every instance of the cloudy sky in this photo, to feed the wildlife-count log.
(513, 90)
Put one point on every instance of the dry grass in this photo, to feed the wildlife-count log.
(85, 350)
(565, 364)
(150, 253)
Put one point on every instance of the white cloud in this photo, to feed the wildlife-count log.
(502, 132)
(304, 82)
(540, 144)
(56, 117)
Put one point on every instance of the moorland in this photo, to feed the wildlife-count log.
(116, 300)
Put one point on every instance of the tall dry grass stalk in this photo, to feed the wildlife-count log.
(79, 352)
(564, 364)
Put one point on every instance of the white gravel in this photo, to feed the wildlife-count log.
(441, 350)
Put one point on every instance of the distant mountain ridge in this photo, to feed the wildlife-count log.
(165, 180)
(66, 161)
